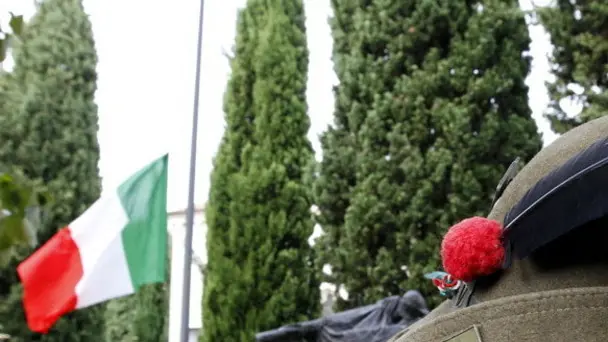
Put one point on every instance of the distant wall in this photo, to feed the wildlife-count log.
(176, 226)
(328, 297)
(193, 335)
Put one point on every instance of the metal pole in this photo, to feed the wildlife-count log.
(190, 211)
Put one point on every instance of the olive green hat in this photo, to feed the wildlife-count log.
(552, 284)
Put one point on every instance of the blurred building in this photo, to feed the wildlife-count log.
(176, 226)
(328, 297)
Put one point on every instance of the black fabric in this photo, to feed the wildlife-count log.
(372, 323)
(565, 199)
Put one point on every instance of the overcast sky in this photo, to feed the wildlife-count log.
(147, 51)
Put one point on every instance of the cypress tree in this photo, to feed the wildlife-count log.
(49, 130)
(238, 128)
(117, 320)
(335, 177)
(432, 99)
(578, 31)
(141, 317)
(151, 315)
(260, 272)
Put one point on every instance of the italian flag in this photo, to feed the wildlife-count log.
(113, 248)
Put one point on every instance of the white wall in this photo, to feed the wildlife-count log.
(193, 335)
(176, 227)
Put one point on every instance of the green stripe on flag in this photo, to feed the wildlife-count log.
(144, 198)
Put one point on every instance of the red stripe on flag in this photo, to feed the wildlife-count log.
(49, 278)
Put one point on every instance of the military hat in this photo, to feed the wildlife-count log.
(536, 269)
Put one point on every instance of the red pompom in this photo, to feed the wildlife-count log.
(473, 248)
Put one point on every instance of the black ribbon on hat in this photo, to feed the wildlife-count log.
(570, 196)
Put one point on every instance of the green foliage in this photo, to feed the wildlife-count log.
(8, 37)
(430, 110)
(48, 129)
(117, 320)
(260, 272)
(150, 322)
(141, 317)
(21, 205)
(579, 34)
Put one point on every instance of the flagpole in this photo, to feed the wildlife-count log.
(185, 316)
